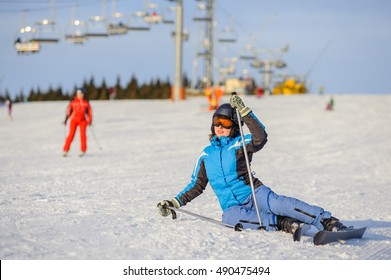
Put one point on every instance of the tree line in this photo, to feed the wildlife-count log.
(155, 89)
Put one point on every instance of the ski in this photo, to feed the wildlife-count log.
(324, 237)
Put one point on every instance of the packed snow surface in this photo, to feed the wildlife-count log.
(103, 206)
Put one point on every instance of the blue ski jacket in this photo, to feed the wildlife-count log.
(222, 164)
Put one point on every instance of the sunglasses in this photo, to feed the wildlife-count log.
(226, 123)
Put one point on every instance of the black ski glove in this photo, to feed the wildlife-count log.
(163, 209)
(65, 121)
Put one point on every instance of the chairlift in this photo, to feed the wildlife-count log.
(169, 20)
(46, 30)
(76, 31)
(258, 63)
(248, 53)
(228, 66)
(203, 54)
(137, 22)
(200, 13)
(24, 43)
(229, 70)
(152, 14)
(227, 35)
(97, 25)
(116, 25)
(279, 64)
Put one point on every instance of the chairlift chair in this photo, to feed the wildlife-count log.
(200, 13)
(258, 63)
(76, 32)
(46, 31)
(27, 47)
(248, 53)
(227, 35)
(152, 14)
(137, 22)
(117, 25)
(169, 20)
(153, 18)
(97, 27)
(279, 64)
(23, 42)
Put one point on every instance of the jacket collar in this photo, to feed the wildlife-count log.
(220, 141)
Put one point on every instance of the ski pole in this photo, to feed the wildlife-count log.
(247, 162)
(237, 227)
(96, 140)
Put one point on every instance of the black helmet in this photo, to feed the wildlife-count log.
(82, 90)
(226, 111)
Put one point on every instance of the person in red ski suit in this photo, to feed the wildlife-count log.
(80, 113)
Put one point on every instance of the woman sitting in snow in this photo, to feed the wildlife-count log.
(222, 164)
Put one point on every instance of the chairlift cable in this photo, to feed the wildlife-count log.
(317, 59)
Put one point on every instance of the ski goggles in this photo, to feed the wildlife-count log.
(226, 123)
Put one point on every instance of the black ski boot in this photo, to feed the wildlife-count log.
(287, 224)
(333, 224)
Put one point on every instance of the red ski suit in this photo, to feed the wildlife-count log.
(77, 110)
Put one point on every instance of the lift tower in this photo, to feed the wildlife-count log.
(206, 7)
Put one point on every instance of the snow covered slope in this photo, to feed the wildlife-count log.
(103, 206)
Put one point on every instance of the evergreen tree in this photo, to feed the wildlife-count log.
(118, 90)
(92, 91)
(21, 97)
(132, 88)
(103, 92)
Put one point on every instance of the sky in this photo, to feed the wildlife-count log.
(342, 46)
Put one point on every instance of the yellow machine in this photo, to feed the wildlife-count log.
(290, 86)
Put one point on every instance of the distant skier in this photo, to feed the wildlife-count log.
(8, 102)
(80, 112)
(330, 104)
(222, 164)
